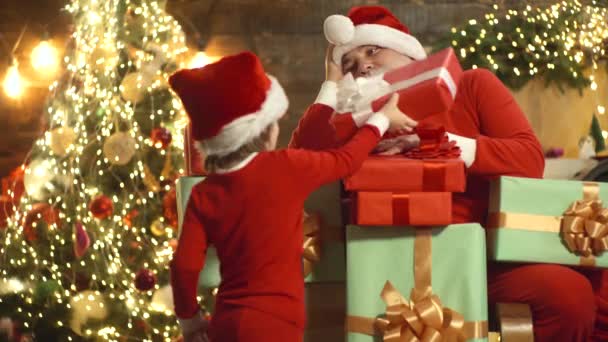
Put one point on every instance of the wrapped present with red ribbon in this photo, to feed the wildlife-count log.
(434, 166)
(397, 209)
(425, 88)
(195, 164)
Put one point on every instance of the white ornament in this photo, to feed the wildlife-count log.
(37, 179)
(339, 29)
(12, 285)
(86, 305)
(60, 140)
(119, 148)
(162, 300)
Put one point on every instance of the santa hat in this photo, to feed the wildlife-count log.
(229, 102)
(370, 25)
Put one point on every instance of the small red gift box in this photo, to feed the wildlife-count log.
(415, 208)
(425, 88)
(194, 162)
(396, 173)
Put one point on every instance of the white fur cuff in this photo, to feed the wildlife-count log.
(468, 148)
(328, 94)
(380, 121)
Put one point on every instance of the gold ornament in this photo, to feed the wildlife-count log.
(104, 57)
(162, 299)
(86, 305)
(119, 148)
(133, 87)
(61, 139)
(167, 167)
(158, 227)
(37, 179)
(150, 180)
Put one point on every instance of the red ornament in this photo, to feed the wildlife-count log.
(40, 211)
(145, 280)
(128, 219)
(170, 208)
(161, 137)
(101, 207)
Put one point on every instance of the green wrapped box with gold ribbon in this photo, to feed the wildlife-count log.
(323, 250)
(416, 284)
(548, 221)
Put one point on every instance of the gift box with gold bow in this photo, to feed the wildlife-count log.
(427, 283)
(549, 221)
(425, 88)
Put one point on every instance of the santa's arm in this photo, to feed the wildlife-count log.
(188, 261)
(506, 144)
(314, 131)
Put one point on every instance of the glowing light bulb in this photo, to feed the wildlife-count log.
(45, 57)
(13, 83)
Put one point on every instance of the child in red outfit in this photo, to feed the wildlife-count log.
(568, 304)
(250, 205)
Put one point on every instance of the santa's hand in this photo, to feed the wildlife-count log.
(397, 145)
(398, 121)
(333, 72)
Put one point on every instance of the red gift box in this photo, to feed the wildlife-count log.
(425, 88)
(388, 208)
(194, 162)
(396, 173)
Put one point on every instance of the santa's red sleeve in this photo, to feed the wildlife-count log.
(314, 131)
(316, 168)
(188, 261)
(506, 144)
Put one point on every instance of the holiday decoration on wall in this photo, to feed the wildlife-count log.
(88, 239)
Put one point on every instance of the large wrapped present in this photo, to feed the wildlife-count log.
(391, 209)
(425, 88)
(194, 161)
(548, 221)
(426, 283)
(322, 249)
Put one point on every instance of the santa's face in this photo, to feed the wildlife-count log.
(370, 60)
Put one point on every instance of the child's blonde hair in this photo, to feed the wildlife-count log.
(257, 144)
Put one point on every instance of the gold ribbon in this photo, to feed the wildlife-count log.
(583, 225)
(423, 317)
(311, 250)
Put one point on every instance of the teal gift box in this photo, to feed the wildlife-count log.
(330, 267)
(527, 216)
(450, 260)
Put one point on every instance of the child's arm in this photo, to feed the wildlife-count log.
(188, 261)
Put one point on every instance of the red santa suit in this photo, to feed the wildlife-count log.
(252, 212)
(496, 139)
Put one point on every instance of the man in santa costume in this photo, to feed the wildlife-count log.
(495, 138)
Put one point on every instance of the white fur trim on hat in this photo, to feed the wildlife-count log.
(246, 128)
(380, 35)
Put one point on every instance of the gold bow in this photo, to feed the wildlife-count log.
(311, 250)
(421, 319)
(584, 228)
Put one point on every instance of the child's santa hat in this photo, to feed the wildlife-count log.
(229, 102)
(370, 25)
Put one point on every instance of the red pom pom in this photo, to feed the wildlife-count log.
(145, 280)
(161, 137)
(101, 207)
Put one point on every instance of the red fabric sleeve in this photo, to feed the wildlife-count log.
(507, 145)
(316, 168)
(314, 131)
(188, 261)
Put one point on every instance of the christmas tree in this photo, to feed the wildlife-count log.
(85, 255)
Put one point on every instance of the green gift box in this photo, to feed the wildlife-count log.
(527, 216)
(450, 260)
(330, 267)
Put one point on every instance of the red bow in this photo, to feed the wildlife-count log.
(434, 144)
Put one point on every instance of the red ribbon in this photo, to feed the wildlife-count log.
(434, 143)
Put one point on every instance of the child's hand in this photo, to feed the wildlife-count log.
(333, 72)
(398, 122)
